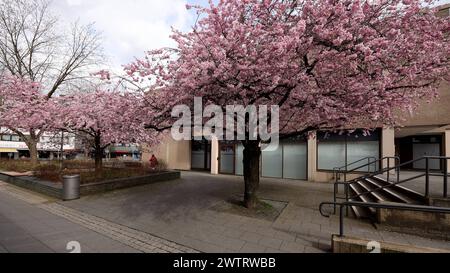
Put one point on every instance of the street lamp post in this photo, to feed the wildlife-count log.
(62, 151)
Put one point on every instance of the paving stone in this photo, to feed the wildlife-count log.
(251, 237)
(253, 248)
(233, 233)
(292, 247)
(271, 242)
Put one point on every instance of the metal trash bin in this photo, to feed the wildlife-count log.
(71, 187)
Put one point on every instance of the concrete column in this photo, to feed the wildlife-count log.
(312, 158)
(215, 155)
(388, 145)
(447, 147)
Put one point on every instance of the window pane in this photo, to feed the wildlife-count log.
(422, 150)
(362, 149)
(6, 137)
(198, 155)
(227, 159)
(331, 155)
(273, 163)
(295, 161)
(15, 138)
(239, 159)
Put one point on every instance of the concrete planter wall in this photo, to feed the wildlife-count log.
(55, 190)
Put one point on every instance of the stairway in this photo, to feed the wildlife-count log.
(375, 189)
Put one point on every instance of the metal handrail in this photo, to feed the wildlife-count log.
(377, 161)
(377, 206)
(353, 163)
(427, 174)
(346, 184)
(388, 158)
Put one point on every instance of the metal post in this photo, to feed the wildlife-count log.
(341, 221)
(427, 177)
(336, 189)
(446, 179)
(347, 195)
(62, 151)
(389, 171)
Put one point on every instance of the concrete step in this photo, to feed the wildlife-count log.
(395, 191)
(414, 195)
(381, 195)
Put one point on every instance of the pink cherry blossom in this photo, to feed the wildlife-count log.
(327, 64)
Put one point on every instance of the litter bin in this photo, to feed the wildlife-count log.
(71, 187)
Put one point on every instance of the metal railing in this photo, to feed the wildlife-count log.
(427, 174)
(403, 207)
(379, 163)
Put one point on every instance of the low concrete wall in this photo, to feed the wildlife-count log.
(439, 202)
(33, 184)
(55, 190)
(356, 245)
(425, 224)
(118, 184)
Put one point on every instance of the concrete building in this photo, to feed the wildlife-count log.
(426, 133)
(49, 147)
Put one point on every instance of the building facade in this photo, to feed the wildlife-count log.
(49, 147)
(426, 133)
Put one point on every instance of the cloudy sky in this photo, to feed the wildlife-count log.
(131, 27)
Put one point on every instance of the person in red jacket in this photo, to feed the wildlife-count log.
(153, 162)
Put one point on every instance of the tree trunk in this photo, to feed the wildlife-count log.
(252, 156)
(32, 147)
(98, 154)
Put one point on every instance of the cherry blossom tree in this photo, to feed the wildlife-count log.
(106, 117)
(37, 46)
(326, 63)
(25, 110)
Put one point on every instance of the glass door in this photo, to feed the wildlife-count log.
(227, 158)
(201, 155)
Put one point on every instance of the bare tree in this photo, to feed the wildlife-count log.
(34, 46)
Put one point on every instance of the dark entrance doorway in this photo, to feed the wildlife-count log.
(201, 155)
(416, 147)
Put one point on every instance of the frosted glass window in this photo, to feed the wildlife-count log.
(295, 161)
(227, 159)
(422, 150)
(272, 163)
(240, 159)
(362, 149)
(198, 160)
(331, 155)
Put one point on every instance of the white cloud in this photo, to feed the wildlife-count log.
(129, 27)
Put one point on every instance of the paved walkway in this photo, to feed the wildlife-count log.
(418, 185)
(32, 224)
(180, 211)
(175, 216)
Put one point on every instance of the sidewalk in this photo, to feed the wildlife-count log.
(25, 228)
(30, 223)
(176, 217)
